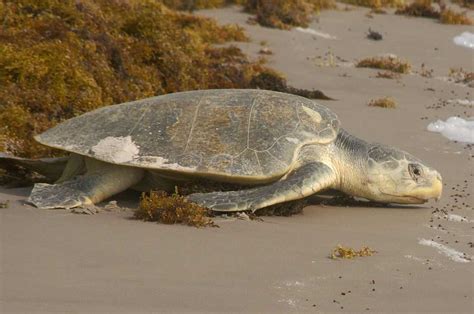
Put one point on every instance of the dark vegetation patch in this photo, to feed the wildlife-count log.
(60, 59)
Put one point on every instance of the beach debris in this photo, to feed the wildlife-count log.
(466, 39)
(374, 35)
(172, 209)
(455, 129)
(4, 204)
(341, 252)
(451, 253)
(385, 102)
(387, 62)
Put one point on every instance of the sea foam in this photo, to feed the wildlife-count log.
(466, 39)
(455, 129)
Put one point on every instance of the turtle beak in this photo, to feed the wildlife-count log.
(433, 190)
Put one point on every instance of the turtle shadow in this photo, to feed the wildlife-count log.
(15, 191)
(342, 200)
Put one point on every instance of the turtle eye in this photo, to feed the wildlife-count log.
(415, 171)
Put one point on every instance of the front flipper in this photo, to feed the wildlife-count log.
(101, 181)
(304, 181)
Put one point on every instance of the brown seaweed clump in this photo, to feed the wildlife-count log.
(465, 3)
(419, 8)
(282, 14)
(385, 102)
(461, 76)
(389, 63)
(449, 16)
(375, 4)
(341, 252)
(285, 14)
(172, 209)
(425, 8)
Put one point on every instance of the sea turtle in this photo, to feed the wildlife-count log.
(281, 147)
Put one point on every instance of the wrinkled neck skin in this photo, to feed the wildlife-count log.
(350, 161)
(347, 156)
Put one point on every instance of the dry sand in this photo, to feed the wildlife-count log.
(54, 261)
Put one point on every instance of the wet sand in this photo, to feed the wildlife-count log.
(55, 261)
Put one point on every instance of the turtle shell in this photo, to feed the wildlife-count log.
(249, 134)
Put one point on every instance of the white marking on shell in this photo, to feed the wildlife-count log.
(449, 252)
(162, 163)
(292, 140)
(116, 149)
(315, 116)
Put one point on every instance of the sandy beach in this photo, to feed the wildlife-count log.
(56, 261)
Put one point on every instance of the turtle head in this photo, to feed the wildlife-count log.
(395, 176)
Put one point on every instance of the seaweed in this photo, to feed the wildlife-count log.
(425, 8)
(375, 4)
(461, 76)
(390, 63)
(172, 209)
(465, 3)
(449, 16)
(281, 14)
(285, 14)
(385, 102)
(341, 252)
(419, 8)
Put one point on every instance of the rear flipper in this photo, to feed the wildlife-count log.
(101, 181)
(51, 168)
